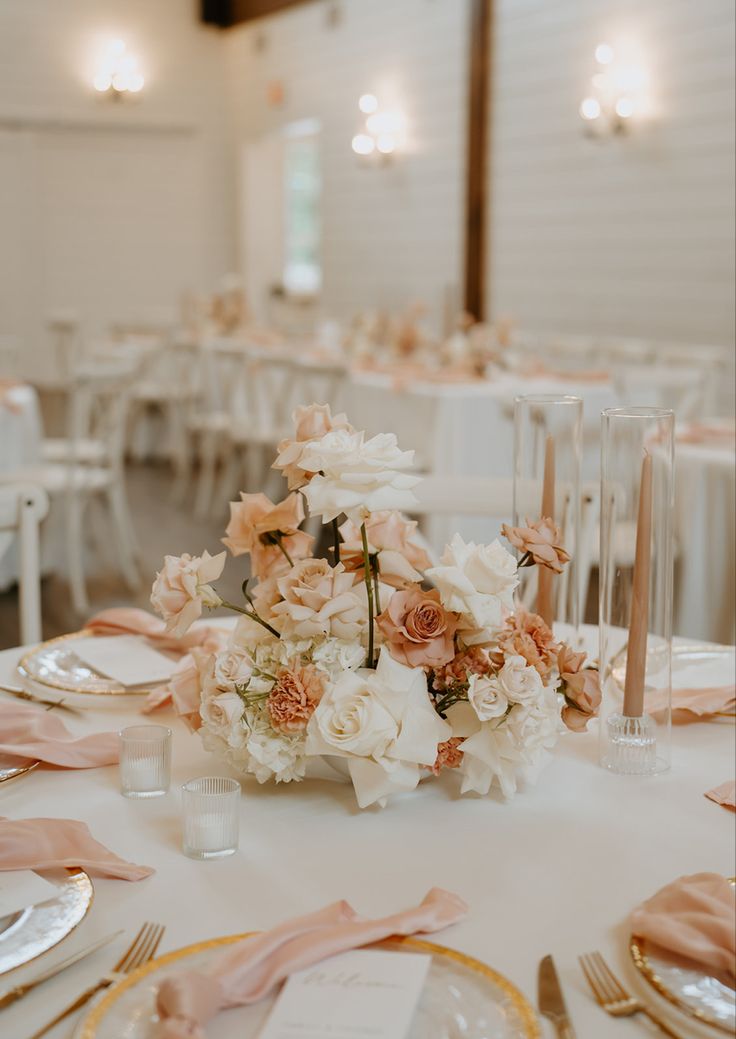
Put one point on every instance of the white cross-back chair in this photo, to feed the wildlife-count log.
(91, 467)
(23, 506)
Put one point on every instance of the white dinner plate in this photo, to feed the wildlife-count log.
(694, 665)
(462, 997)
(29, 933)
(54, 671)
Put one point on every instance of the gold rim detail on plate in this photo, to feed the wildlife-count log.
(528, 1017)
(21, 770)
(63, 687)
(642, 964)
(77, 878)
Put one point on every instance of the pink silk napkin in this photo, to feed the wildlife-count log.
(29, 732)
(691, 705)
(693, 917)
(186, 1002)
(725, 794)
(48, 843)
(182, 688)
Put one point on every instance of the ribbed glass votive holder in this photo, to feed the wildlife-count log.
(210, 817)
(145, 760)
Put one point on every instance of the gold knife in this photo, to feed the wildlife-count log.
(21, 990)
(22, 694)
(551, 1001)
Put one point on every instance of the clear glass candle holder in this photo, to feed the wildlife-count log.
(211, 806)
(548, 434)
(636, 573)
(145, 760)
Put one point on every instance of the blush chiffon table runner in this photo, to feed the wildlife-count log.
(558, 870)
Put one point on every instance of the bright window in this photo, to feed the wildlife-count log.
(302, 192)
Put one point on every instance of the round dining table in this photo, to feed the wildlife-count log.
(556, 870)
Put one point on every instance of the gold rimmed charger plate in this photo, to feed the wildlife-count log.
(697, 994)
(12, 768)
(459, 989)
(29, 933)
(53, 669)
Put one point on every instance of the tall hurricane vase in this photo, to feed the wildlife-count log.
(547, 459)
(636, 571)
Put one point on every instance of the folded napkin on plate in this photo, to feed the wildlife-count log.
(182, 688)
(30, 732)
(690, 705)
(246, 973)
(693, 917)
(725, 794)
(49, 843)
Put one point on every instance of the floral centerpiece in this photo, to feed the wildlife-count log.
(387, 666)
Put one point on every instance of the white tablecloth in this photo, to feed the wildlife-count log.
(557, 870)
(21, 431)
(705, 532)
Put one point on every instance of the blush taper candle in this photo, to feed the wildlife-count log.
(636, 657)
(545, 607)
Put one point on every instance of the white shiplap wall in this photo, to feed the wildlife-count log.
(108, 209)
(391, 234)
(630, 236)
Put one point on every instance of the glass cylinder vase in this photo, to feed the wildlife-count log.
(636, 572)
(547, 460)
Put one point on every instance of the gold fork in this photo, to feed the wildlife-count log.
(612, 996)
(142, 949)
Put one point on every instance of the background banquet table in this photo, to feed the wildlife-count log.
(557, 870)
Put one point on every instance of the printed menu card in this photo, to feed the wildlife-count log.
(362, 994)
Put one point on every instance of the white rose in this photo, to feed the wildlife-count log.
(351, 719)
(232, 667)
(520, 682)
(357, 476)
(487, 697)
(476, 581)
(223, 711)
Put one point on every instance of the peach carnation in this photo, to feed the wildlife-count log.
(528, 636)
(472, 661)
(448, 755)
(292, 700)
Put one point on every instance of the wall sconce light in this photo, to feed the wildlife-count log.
(117, 72)
(618, 94)
(383, 129)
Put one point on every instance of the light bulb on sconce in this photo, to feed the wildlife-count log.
(618, 95)
(382, 131)
(117, 73)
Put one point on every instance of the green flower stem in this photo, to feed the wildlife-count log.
(252, 614)
(376, 583)
(280, 543)
(336, 538)
(369, 590)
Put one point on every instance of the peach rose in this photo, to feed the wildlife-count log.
(418, 630)
(448, 755)
(527, 635)
(311, 423)
(258, 527)
(582, 698)
(541, 541)
(182, 588)
(318, 599)
(472, 661)
(292, 700)
(401, 560)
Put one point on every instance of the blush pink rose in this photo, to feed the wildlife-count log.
(541, 540)
(182, 588)
(318, 599)
(292, 700)
(401, 560)
(311, 422)
(582, 698)
(418, 630)
(257, 526)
